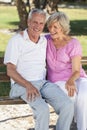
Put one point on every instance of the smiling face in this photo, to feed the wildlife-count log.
(58, 25)
(36, 24)
(55, 30)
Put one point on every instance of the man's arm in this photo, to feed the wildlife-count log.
(31, 91)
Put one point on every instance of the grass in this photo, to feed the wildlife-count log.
(83, 41)
(4, 37)
(9, 20)
(8, 17)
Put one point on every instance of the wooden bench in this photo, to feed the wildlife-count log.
(5, 83)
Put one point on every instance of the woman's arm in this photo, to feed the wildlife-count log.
(70, 84)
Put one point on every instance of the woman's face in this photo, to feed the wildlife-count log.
(55, 30)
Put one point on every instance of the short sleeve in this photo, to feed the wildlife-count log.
(75, 48)
(12, 51)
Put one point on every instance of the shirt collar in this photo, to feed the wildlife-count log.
(25, 35)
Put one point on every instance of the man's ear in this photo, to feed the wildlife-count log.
(28, 22)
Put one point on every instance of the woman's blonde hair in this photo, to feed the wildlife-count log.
(63, 20)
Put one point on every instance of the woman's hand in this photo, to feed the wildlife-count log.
(71, 87)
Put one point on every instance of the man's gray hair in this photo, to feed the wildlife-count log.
(35, 10)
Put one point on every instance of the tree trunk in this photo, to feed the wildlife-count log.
(52, 6)
(22, 12)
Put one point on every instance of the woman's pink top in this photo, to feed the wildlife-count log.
(59, 65)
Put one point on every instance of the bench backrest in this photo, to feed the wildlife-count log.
(5, 83)
(5, 78)
(5, 87)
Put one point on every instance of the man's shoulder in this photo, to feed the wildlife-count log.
(15, 40)
(16, 37)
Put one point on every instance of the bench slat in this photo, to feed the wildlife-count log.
(84, 57)
(84, 62)
(7, 100)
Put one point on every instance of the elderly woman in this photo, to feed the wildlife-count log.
(64, 65)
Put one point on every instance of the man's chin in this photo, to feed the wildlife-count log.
(37, 33)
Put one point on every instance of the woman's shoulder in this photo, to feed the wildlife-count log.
(74, 42)
(74, 39)
(74, 47)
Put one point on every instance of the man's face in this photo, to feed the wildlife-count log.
(36, 24)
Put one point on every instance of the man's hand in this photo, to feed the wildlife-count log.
(32, 92)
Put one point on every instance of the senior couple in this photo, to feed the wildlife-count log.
(27, 56)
